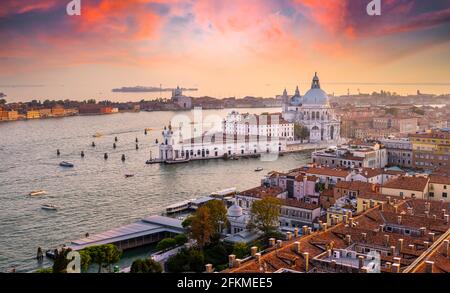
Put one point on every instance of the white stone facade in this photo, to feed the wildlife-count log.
(313, 110)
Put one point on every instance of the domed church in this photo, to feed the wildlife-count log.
(313, 111)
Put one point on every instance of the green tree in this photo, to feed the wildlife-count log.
(300, 132)
(86, 260)
(241, 250)
(265, 214)
(145, 266)
(107, 254)
(2, 101)
(166, 243)
(181, 239)
(187, 260)
(218, 214)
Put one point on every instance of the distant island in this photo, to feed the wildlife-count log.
(149, 89)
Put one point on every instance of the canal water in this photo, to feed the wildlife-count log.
(95, 195)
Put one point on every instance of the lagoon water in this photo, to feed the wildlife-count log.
(95, 195)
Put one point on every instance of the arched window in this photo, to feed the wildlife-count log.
(313, 116)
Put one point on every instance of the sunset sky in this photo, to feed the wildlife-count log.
(225, 48)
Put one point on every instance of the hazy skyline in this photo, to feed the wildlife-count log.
(224, 48)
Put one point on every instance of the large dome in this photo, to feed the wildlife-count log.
(316, 96)
(234, 211)
(296, 101)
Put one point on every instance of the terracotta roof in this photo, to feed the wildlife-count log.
(299, 204)
(262, 191)
(368, 222)
(407, 183)
(437, 179)
(328, 171)
(357, 186)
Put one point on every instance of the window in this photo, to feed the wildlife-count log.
(444, 194)
(431, 194)
(407, 232)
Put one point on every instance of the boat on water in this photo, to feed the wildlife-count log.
(49, 207)
(37, 193)
(259, 169)
(66, 164)
(149, 129)
(177, 161)
(129, 175)
(98, 134)
(178, 207)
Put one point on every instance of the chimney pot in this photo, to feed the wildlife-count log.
(431, 236)
(397, 260)
(388, 265)
(429, 267)
(446, 244)
(348, 239)
(411, 247)
(258, 257)
(297, 247)
(446, 219)
(400, 245)
(309, 230)
(231, 259)
(272, 242)
(289, 236)
(351, 221)
(209, 268)
(306, 256)
(296, 232)
(396, 268)
(254, 250)
(279, 243)
(392, 250)
(399, 220)
(426, 244)
(364, 236)
(386, 240)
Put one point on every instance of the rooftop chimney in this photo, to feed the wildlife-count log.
(389, 265)
(400, 245)
(348, 239)
(446, 219)
(426, 244)
(392, 250)
(279, 243)
(231, 259)
(272, 242)
(306, 256)
(396, 268)
(410, 211)
(254, 250)
(345, 219)
(309, 230)
(386, 240)
(364, 207)
(381, 228)
(399, 220)
(289, 236)
(364, 237)
(431, 236)
(446, 244)
(296, 232)
(305, 230)
(411, 247)
(351, 222)
(429, 265)
(209, 268)
(258, 257)
(297, 247)
(422, 230)
(397, 260)
(388, 199)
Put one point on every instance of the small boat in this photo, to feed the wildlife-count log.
(148, 129)
(129, 175)
(49, 207)
(178, 207)
(259, 169)
(66, 164)
(37, 193)
(177, 161)
(98, 134)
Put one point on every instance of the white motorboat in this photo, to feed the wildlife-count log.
(37, 193)
(259, 169)
(178, 207)
(49, 207)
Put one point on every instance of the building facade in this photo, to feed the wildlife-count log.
(431, 150)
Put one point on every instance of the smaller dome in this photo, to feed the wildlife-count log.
(234, 211)
(296, 101)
